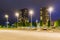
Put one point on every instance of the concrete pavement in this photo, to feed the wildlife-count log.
(28, 35)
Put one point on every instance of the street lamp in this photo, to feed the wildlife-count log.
(17, 15)
(31, 13)
(6, 16)
(50, 9)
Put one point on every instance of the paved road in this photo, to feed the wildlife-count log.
(28, 35)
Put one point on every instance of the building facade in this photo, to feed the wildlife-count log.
(23, 16)
(44, 16)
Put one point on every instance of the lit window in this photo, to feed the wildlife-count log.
(41, 17)
(40, 12)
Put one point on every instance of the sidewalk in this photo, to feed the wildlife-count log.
(33, 29)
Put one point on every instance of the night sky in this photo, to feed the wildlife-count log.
(11, 6)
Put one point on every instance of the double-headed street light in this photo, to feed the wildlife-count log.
(31, 13)
(6, 16)
(50, 9)
(17, 15)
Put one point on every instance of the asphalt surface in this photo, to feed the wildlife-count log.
(28, 35)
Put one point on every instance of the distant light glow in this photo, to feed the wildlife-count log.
(31, 12)
(6, 16)
(36, 20)
(17, 14)
(50, 9)
(7, 22)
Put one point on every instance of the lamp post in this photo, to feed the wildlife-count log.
(17, 15)
(31, 13)
(50, 9)
(6, 16)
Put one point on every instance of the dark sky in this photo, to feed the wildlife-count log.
(11, 6)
